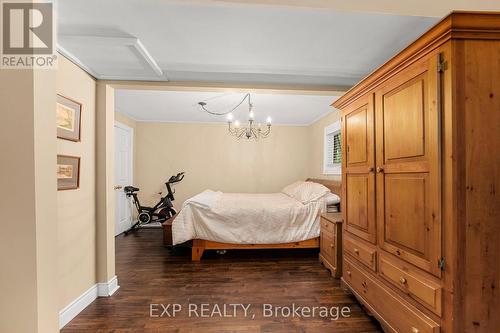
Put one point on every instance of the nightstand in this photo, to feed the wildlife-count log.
(331, 243)
(167, 232)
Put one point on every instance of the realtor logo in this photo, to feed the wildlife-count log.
(28, 35)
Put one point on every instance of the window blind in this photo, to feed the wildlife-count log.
(333, 148)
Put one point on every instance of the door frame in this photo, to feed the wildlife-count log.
(131, 130)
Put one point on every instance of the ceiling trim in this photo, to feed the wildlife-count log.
(262, 69)
(134, 42)
(71, 57)
(428, 8)
(224, 87)
(219, 123)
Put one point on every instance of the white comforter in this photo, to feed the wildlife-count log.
(242, 218)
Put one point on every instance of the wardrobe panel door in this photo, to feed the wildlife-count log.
(358, 165)
(408, 176)
(404, 121)
(405, 219)
(360, 206)
(357, 136)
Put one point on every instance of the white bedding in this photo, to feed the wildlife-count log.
(243, 218)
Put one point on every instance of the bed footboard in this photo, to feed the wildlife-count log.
(200, 245)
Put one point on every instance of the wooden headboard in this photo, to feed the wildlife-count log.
(334, 186)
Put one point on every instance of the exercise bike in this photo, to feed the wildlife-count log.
(160, 212)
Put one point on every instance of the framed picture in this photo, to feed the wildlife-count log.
(68, 172)
(69, 115)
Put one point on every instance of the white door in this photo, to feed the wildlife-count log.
(123, 176)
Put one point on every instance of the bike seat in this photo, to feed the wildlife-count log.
(130, 189)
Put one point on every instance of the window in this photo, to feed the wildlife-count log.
(332, 155)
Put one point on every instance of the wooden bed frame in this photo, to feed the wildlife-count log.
(200, 245)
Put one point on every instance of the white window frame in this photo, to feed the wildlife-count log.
(337, 168)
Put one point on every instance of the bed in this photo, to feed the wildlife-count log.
(287, 219)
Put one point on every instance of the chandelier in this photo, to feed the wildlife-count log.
(250, 131)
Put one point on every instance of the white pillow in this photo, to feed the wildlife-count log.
(332, 199)
(305, 191)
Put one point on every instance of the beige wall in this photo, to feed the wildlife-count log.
(212, 159)
(105, 180)
(28, 253)
(316, 137)
(77, 208)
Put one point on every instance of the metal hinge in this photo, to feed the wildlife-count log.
(441, 64)
(441, 263)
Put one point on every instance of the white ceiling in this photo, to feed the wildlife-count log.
(230, 43)
(182, 106)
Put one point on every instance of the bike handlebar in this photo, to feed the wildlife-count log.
(177, 178)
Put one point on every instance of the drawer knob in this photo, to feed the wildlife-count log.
(356, 251)
(331, 245)
(402, 280)
(349, 273)
(414, 330)
(380, 169)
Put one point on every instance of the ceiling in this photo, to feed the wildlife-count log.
(224, 42)
(182, 106)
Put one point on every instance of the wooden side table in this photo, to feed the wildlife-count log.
(330, 254)
(167, 232)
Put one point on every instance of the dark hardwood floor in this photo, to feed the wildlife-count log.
(150, 274)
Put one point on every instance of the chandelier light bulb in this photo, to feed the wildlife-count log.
(268, 120)
(237, 123)
(229, 117)
(251, 115)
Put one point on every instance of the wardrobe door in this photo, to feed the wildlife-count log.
(358, 176)
(408, 178)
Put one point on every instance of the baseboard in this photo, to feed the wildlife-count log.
(75, 307)
(104, 289)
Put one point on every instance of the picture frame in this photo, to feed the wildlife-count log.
(68, 118)
(68, 172)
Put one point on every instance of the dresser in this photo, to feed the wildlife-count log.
(330, 243)
(421, 182)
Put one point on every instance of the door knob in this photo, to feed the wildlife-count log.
(380, 169)
(356, 251)
(118, 187)
(371, 169)
(402, 280)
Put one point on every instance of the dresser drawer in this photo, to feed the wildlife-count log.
(397, 314)
(327, 226)
(412, 282)
(362, 252)
(327, 246)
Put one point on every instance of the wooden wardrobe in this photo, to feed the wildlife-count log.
(421, 182)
